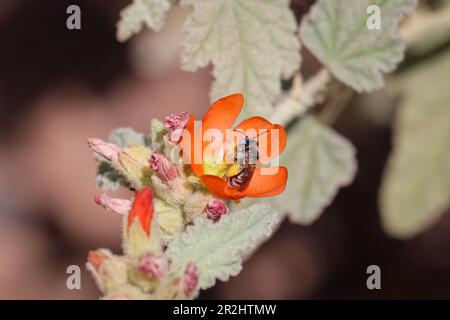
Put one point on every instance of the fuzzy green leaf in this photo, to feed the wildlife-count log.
(151, 13)
(250, 43)
(416, 187)
(319, 162)
(123, 137)
(337, 33)
(216, 248)
(108, 178)
(158, 131)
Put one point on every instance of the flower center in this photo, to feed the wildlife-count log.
(221, 162)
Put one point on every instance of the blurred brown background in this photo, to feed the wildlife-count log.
(58, 87)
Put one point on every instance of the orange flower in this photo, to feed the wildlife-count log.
(142, 209)
(226, 179)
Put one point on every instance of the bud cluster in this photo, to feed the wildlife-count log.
(167, 198)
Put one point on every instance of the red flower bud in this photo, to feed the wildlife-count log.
(163, 167)
(215, 209)
(142, 209)
(190, 279)
(109, 151)
(152, 266)
(120, 206)
(176, 124)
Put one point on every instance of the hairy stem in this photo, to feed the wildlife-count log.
(333, 109)
(301, 97)
(426, 30)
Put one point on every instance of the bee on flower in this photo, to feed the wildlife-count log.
(230, 162)
(214, 162)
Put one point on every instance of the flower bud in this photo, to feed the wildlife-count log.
(120, 206)
(132, 162)
(169, 218)
(152, 266)
(190, 280)
(215, 209)
(163, 167)
(141, 233)
(109, 271)
(106, 150)
(173, 192)
(97, 257)
(195, 205)
(142, 209)
(176, 124)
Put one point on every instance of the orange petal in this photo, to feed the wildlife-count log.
(264, 185)
(187, 142)
(220, 188)
(255, 123)
(266, 148)
(142, 209)
(188, 147)
(197, 169)
(223, 113)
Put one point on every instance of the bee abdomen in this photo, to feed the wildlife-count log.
(241, 180)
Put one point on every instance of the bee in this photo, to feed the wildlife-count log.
(246, 156)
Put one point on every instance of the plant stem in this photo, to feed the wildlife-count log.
(332, 110)
(301, 97)
(426, 30)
